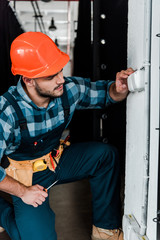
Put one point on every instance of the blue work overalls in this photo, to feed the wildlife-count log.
(95, 160)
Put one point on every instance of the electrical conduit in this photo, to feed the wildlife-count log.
(147, 59)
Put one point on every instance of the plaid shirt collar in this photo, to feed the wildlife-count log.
(26, 98)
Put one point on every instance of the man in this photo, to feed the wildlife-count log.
(33, 116)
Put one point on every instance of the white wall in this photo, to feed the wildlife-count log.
(136, 117)
(135, 113)
(154, 120)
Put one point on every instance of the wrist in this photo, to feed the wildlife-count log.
(12, 186)
(21, 190)
(116, 94)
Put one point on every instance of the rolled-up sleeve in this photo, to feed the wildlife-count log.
(2, 173)
(92, 94)
(108, 96)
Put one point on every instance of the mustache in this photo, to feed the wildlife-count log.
(58, 86)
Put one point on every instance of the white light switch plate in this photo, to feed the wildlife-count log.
(136, 81)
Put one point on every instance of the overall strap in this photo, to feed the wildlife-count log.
(13, 102)
(22, 120)
(65, 104)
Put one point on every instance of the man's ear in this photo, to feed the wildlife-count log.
(28, 81)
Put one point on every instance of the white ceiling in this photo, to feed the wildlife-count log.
(65, 16)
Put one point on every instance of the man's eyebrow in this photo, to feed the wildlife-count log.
(52, 76)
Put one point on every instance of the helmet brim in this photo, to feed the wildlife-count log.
(54, 68)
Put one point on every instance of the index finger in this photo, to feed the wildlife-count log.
(130, 70)
(122, 75)
(39, 187)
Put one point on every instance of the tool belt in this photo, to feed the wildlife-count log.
(22, 171)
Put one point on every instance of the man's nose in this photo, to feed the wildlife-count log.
(60, 78)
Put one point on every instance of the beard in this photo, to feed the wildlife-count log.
(46, 94)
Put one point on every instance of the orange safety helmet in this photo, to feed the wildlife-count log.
(34, 55)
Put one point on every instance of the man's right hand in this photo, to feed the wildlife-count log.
(34, 195)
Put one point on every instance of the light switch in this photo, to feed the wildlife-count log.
(136, 81)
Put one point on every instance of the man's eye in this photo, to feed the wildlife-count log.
(50, 78)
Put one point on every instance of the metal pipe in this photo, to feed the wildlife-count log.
(36, 17)
(69, 28)
(147, 59)
(158, 190)
(14, 5)
(40, 16)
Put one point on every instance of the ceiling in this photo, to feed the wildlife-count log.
(65, 14)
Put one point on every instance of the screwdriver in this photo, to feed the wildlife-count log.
(46, 189)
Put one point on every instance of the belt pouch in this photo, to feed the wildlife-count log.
(20, 171)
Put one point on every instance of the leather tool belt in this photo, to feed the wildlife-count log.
(22, 171)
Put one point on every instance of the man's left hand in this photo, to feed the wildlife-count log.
(121, 80)
(119, 89)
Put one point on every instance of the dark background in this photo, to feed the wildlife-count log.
(101, 61)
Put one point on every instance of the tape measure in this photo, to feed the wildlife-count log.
(39, 165)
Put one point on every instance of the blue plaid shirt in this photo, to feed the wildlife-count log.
(82, 94)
